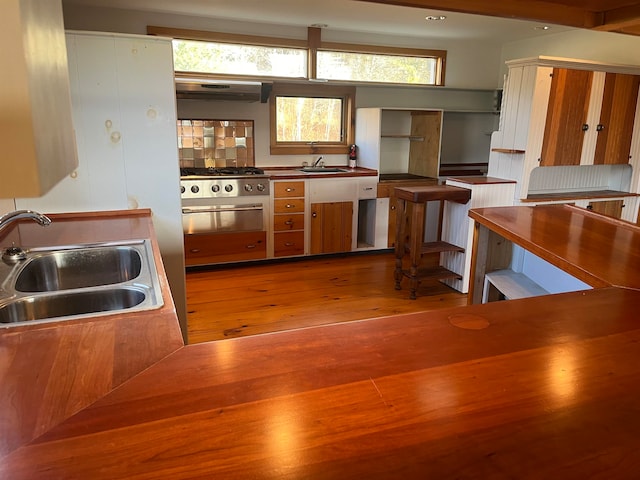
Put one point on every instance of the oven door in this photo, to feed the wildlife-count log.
(223, 218)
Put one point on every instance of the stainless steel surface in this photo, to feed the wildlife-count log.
(27, 309)
(11, 217)
(214, 201)
(208, 88)
(74, 281)
(223, 218)
(79, 268)
(223, 186)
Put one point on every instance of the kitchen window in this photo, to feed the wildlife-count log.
(311, 119)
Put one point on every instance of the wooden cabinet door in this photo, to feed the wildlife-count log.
(611, 208)
(616, 118)
(566, 114)
(331, 225)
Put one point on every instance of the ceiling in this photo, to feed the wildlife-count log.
(360, 16)
(621, 16)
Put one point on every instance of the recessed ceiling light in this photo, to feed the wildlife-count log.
(542, 27)
(319, 25)
(435, 18)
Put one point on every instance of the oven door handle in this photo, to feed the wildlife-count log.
(240, 208)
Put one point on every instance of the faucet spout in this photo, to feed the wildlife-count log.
(11, 217)
(315, 164)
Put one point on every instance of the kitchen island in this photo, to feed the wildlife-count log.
(531, 388)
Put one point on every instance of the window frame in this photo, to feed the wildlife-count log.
(346, 93)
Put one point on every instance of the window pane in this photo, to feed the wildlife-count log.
(235, 59)
(305, 119)
(365, 67)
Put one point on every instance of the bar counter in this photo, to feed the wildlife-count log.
(544, 387)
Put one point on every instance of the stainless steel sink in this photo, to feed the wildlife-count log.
(73, 281)
(79, 268)
(322, 170)
(31, 308)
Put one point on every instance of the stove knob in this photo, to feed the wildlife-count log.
(260, 187)
(215, 188)
(195, 189)
(182, 189)
(228, 188)
(248, 188)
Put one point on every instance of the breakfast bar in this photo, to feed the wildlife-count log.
(531, 388)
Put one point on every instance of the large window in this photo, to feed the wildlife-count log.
(311, 119)
(237, 59)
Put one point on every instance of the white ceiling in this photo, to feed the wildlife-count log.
(343, 15)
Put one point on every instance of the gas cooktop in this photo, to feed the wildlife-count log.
(217, 172)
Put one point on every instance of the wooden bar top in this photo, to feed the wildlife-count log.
(544, 387)
(421, 194)
(598, 250)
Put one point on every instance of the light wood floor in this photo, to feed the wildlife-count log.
(260, 298)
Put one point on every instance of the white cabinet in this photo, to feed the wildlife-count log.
(535, 112)
(123, 99)
(399, 141)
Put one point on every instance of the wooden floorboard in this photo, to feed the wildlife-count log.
(259, 298)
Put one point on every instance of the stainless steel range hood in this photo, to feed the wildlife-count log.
(201, 88)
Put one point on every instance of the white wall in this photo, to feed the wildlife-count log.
(470, 63)
(580, 44)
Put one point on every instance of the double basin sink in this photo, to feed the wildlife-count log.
(76, 281)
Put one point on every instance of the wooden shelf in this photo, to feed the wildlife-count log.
(413, 138)
(433, 273)
(508, 150)
(435, 247)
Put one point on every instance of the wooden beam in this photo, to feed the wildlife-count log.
(624, 20)
(533, 10)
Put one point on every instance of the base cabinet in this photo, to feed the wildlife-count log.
(205, 249)
(288, 218)
(331, 227)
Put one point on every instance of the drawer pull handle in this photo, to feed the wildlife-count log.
(314, 214)
(288, 205)
(251, 246)
(195, 250)
(368, 188)
(290, 189)
(289, 244)
(289, 222)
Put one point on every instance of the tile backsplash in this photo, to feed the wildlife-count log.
(215, 143)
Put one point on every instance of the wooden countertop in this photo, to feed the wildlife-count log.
(598, 250)
(49, 371)
(286, 173)
(422, 194)
(544, 387)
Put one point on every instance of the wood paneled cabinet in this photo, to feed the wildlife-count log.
(207, 249)
(590, 118)
(610, 208)
(288, 218)
(331, 227)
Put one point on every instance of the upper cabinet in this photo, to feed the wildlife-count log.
(568, 113)
(590, 118)
(399, 141)
(37, 137)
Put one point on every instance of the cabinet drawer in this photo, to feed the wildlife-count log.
(288, 205)
(288, 222)
(288, 243)
(288, 189)
(206, 249)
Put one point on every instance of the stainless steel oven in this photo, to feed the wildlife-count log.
(223, 208)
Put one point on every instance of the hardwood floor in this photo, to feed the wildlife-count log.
(227, 302)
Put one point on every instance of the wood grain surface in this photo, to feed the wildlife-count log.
(50, 371)
(548, 389)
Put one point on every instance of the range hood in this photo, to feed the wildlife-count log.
(200, 88)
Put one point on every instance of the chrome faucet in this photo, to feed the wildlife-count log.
(11, 217)
(315, 164)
